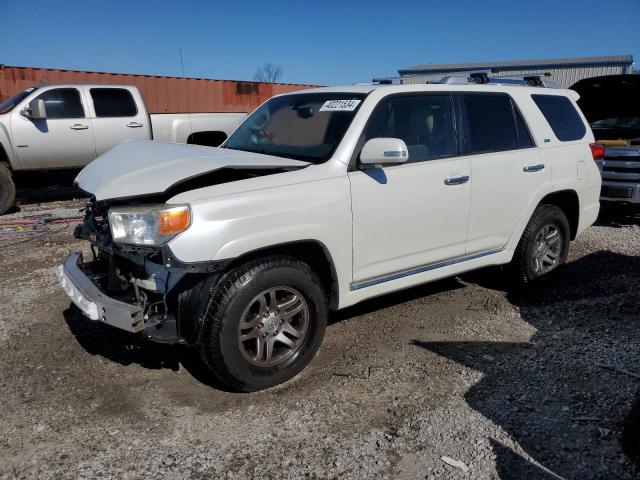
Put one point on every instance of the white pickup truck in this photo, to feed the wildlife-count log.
(55, 127)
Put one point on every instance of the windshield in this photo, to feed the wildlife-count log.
(8, 105)
(305, 126)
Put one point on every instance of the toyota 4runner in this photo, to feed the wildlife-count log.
(322, 199)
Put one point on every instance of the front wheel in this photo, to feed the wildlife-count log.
(264, 323)
(544, 244)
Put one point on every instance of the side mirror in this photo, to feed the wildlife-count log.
(384, 151)
(36, 110)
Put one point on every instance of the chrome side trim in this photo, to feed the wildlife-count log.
(421, 269)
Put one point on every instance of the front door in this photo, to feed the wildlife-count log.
(62, 140)
(414, 214)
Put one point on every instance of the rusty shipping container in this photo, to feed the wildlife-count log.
(162, 94)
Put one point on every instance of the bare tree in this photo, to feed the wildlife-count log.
(268, 73)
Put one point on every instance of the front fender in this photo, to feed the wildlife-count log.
(7, 145)
(227, 227)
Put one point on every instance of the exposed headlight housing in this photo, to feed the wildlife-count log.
(153, 225)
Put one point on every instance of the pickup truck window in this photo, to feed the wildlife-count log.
(63, 103)
(113, 102)
(306, 126)
(562, 116)
(10, 104)
(424, 122)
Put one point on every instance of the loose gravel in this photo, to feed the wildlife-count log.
(460, 379)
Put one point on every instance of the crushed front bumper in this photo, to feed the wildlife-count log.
(92, 302)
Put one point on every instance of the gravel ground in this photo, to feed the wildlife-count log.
(460, 379)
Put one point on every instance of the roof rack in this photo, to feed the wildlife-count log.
(387, 81)
(482, 77)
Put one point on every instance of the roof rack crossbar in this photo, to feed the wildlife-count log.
(483, 78)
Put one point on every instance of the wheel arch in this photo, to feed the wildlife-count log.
(5, 156)
(569, 202)
(193, 291)
(312, 252)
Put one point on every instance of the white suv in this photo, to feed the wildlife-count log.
(324, 198)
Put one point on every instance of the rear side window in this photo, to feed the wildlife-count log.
(490, 123)
(63, 103)
(113, 102)
(562, 116)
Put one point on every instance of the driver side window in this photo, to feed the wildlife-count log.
(62, 103)
(424, 122)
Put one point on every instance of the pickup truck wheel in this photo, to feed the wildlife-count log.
(544, 244)
(264, 323)
(7, 189)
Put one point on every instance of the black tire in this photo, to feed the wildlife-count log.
(7, 189)
(522, 265)
(218, 342)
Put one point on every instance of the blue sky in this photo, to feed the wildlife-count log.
(321, 42)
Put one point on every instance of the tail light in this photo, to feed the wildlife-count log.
(597, 150)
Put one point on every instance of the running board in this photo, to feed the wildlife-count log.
(422, 269)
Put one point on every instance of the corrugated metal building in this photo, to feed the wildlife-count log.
(564, 71)
(161, 94)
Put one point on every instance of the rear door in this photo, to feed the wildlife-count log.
(506, 167)
(62, 140)
(117, 115)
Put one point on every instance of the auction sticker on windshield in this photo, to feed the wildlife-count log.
(340, 105)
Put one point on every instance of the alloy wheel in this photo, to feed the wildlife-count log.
(274, 326)
(547, 249)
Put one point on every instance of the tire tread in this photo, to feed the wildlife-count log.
(519, 264)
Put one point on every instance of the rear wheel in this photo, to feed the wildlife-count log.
(264, 323)
(7, 189)
(544, 244)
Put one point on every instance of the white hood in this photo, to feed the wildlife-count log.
(142, 167)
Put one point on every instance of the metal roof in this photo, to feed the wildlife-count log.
(118, 74)
(519, 64)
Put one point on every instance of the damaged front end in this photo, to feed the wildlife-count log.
(132, 280)
(137, 288)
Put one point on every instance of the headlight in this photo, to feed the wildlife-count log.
(148, 225)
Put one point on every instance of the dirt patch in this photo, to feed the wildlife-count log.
(508, 384)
